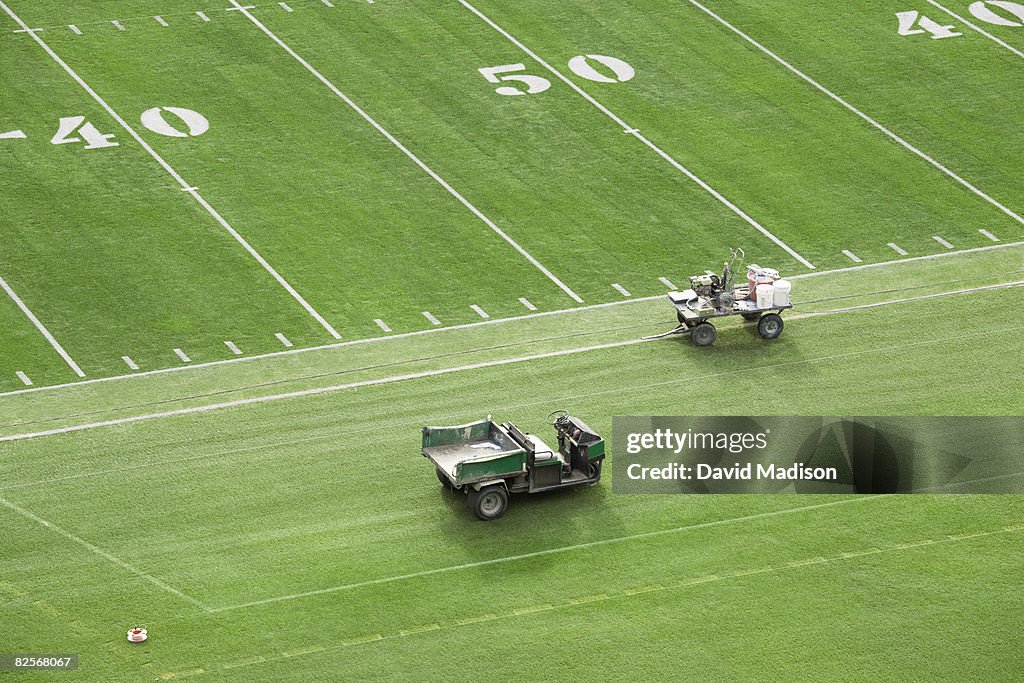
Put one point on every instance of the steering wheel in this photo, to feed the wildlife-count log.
(555, 416)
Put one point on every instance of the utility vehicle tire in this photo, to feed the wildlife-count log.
(750, 317)
(445, 481)
(489, 503)
(770, 326)
(704, 334)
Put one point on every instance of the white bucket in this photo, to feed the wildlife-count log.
(782, 290)
(765, 296)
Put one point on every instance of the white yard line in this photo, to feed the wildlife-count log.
(285, 7)
(635, 133)
(526, 302)
(480, 312)
(174, 174)
(977, 28)
(117, 24)
(891, 135)
(132, 365)
(75, 29)
(853, 257)
(327, 2)
(160, 20)
(284, 340)
(382, 325)
(943, 242)
(492, 321)
(415, 159)
(512, 361)
(551, 551)
(989, 235)
(620, 289)
(182, 355)
(24, 378)
(102, 553)
(668, 283)
(233, 348)
(40, 326)
(202, 16)
(899, 250)
(430, 316)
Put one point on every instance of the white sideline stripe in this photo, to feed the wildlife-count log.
(479, 311)
(174, 174)
(160, 20)
(39, 325)
(977, 28)
(75, 29)
(633, 131)
(943, 242)
(526, 302)
(285, 7)
(284, 340)
(415, 159)
(102, 553)
(668, 283)
(497, 363)
(130, 363)
(853, 257)
(430, 316)
(492, 321)
(116, 23)
(24, 378)
(233, 348)
(893, 136)
(382, 325)
(549, 551)
(989, 235)
(897, 249)
(620, 289)
(202, 16)
(182, 355)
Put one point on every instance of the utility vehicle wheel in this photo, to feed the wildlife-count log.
(489, 503)
(704, 334)
(750, 317)
(445, 481)
(770, 326)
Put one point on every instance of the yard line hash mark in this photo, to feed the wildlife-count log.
(24, 378)
(182, 355)
(102, 553)
(130, 363)
(117, 25)
(430, 316)
(233, 348)
(185, 186)
(633, 131)
(202, 16)
(899, 250)
(853, 257)
(405, 150)
(977, 28)
(668, 283)
(382, 325)
(42, 328)
(941, 241)
(284, 340)
(285, 7)
(526, 302)
(479, 311)
(854, 110)
(327, 2)
(74, 29)
(989, 235)
(160, 20)
(621, 290)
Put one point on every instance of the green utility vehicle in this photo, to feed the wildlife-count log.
(488, 461)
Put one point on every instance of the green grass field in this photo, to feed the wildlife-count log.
(348, 232)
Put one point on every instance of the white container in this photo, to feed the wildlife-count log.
(765, 295)
(782, 291)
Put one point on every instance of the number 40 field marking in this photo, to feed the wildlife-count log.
(982, 10)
